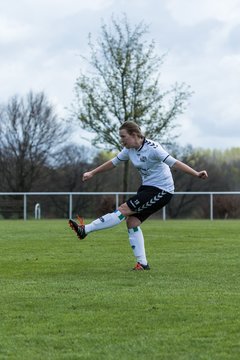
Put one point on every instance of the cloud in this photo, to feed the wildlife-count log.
(189, 13)
(12, 31)
(50, 9)
(213, 116)
(232, 42)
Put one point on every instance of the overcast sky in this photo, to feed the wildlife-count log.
(41, 40)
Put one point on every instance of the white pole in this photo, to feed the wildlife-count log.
(117, 201)
(70, 206)
(25, 206)
(211, 206)
(37, 211)
(164, 213)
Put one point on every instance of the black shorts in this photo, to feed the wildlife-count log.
(147, 201)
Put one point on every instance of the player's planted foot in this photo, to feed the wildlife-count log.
(78, 228)
(140, 267)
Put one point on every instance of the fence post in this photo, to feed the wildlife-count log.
(164, 213)
(70, 206)
(37, 211)
(211, 206)
(25, 206)
(117, 201)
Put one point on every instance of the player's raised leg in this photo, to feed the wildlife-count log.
(104, 222)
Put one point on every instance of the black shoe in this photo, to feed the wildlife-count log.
(139, 266)
(78, 228)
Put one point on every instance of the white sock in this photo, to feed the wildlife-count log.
(137, 243)
(106, 221)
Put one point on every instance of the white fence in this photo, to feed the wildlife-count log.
(70, 195)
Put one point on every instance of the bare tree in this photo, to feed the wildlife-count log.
(29, 135)
(125, 86)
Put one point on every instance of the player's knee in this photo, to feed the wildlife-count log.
(125, 210)
(132, 222)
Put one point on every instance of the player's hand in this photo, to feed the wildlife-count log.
(87, 175)
(203, 174)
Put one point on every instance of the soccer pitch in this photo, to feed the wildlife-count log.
(62, 298)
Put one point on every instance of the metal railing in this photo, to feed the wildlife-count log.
(70, 195)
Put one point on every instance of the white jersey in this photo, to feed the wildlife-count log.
(152, 162)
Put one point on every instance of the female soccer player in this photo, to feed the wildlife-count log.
(153, 163)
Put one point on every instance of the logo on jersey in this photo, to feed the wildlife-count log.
(143, 158)
(151, 143)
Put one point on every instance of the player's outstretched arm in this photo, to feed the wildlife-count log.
(187, 169)
(108, 165)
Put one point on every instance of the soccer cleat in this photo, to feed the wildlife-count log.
(139, 266)
(78, 228)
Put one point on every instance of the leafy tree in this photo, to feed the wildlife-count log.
(29, 135)
(124, 85)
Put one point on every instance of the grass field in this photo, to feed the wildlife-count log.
(62, 298)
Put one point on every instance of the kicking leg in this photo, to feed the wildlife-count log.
(104, 222)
